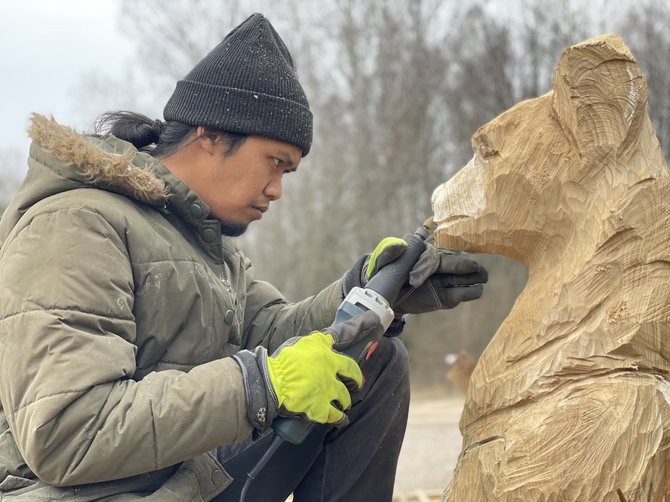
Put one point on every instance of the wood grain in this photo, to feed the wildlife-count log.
(570, 400)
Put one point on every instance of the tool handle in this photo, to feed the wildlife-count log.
(292, 429)
(391, 278)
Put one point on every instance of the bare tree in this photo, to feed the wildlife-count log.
(172, 36)
(377, 146)
(481, 83)
(546, 28)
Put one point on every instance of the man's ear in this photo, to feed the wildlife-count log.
(599, 95)
(208, 140)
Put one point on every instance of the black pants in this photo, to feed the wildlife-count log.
(355, 463)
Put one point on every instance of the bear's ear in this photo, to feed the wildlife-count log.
(600, 94)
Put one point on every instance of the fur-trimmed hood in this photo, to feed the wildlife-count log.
(62, 159)
(105, 161)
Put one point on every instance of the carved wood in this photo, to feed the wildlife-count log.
(570, 400)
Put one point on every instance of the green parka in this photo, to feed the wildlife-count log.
(120, 303)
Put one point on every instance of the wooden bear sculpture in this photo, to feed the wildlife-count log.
(570, 400)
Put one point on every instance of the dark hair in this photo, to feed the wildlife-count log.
(159, 138)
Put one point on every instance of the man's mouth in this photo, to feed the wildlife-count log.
(262, 209)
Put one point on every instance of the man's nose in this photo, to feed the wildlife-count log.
(273, 189)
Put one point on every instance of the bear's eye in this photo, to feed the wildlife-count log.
(486, 151)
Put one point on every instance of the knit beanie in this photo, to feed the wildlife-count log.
(247, 85)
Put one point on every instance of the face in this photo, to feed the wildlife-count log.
(505, 200)
(238, 187)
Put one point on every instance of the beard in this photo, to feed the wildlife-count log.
(232, 229)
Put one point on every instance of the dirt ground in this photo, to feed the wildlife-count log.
(430, 450)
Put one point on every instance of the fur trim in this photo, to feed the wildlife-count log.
(95, 164)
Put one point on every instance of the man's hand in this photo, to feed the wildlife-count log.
(307, 376)
(310, 379)
(439, 279)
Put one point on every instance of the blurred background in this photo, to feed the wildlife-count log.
(397, 88)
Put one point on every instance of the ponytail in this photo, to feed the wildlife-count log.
(135, 128)
(160, 139)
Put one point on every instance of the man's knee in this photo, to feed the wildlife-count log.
(393, 351)
(387, 369)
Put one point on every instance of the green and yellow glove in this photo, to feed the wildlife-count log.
(388, 250)
(306, 376)
(312, 380)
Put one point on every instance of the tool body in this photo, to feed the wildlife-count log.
(378, 295)
(379, 292)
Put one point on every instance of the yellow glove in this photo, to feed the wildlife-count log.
(307, 376)
(310, 379)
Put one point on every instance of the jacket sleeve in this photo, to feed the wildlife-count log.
(269, 319)
(67, 357)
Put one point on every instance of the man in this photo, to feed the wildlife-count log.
(139, 355)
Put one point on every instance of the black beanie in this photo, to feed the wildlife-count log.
(247, 85)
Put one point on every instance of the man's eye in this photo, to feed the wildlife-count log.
(276, 162)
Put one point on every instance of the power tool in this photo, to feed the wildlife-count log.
(378, 295)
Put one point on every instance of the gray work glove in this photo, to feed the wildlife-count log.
(439, 279)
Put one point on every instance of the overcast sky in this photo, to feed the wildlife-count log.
(47, 45)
